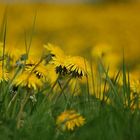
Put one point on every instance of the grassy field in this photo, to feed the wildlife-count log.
(69, 72)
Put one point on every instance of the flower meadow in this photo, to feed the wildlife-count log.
(49, 92)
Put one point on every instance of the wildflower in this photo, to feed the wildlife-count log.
(58, 58)
(77, 66)
(74, 66)
(69, 120)
(29, 80)
(37, 68)
(59, 63)
(51, 74)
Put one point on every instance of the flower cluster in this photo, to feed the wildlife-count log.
(32, 72)
(74, 66)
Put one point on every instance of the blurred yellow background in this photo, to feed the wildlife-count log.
(79, 29)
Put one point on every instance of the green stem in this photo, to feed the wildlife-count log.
(12, 100)
(62, 90)
(23, 103)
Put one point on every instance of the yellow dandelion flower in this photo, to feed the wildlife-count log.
(37, 68)
(59, 61)
(60, 66)
(27, 79)
(77, 66)
(51, 74)
(58, 58)
(61, 70)
(69, 120)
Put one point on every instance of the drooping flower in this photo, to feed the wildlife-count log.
(28, 80)
(77, 66)
(51, 74)
(60, 66)
(74, 66)
(69, 120)
(38, 68)
(58, 58)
